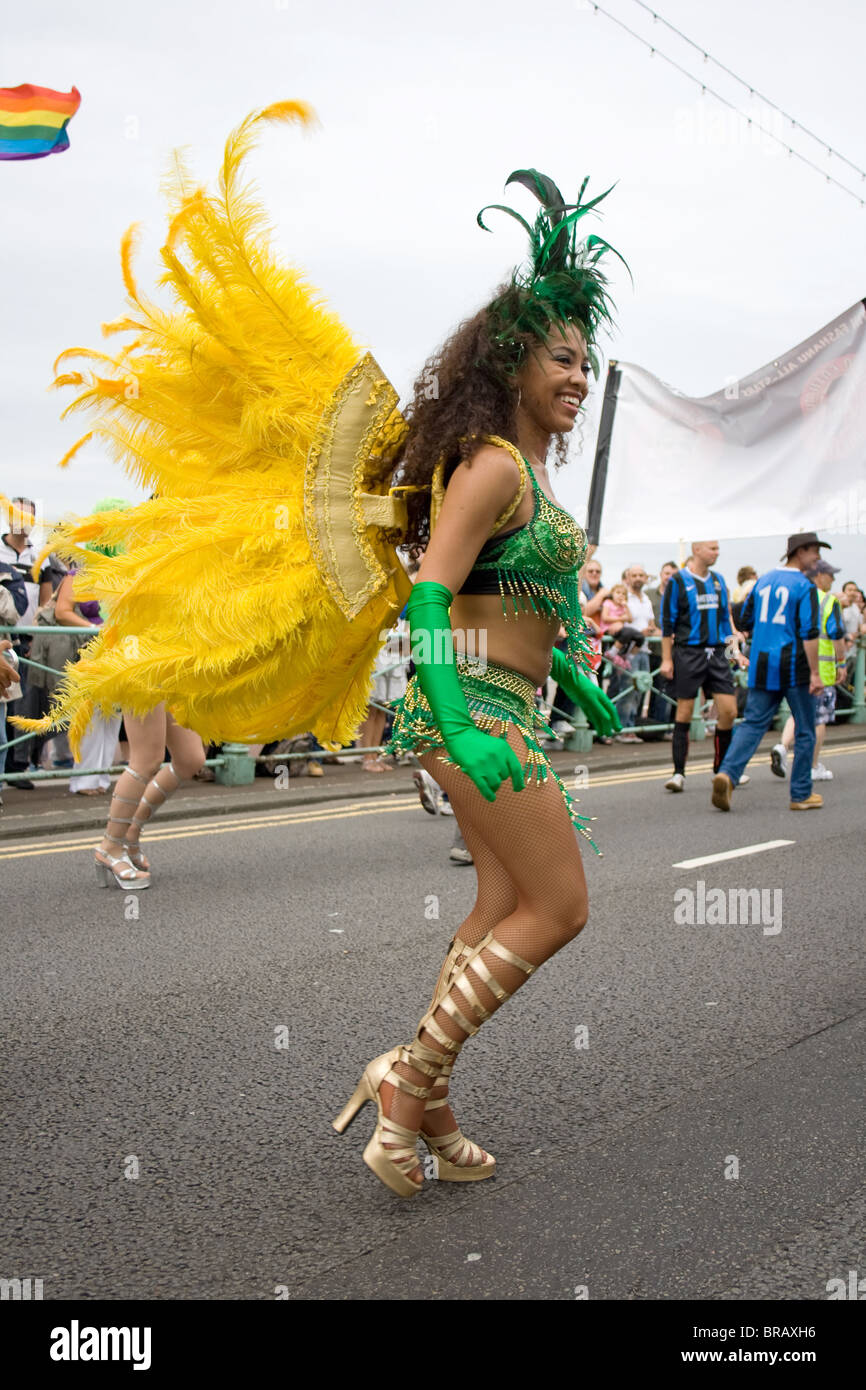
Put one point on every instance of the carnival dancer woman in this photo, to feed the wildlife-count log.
(258, 583)
(511, 383)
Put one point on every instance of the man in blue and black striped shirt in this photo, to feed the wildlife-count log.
(696, 624)
(782, 613)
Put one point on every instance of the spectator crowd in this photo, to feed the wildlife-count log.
(626, 613)
(623, 618)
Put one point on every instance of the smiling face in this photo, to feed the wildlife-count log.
(553, 380)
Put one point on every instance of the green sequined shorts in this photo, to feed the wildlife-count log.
(497, 698)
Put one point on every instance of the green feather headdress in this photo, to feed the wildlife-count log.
(108, 504)
(562, 282)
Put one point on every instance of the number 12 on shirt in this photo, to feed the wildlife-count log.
(782, 594)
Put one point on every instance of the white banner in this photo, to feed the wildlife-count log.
(781, 451)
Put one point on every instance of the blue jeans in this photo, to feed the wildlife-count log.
(629, 705)
(761, 706)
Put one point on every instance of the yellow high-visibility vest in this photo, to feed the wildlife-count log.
(826, 649)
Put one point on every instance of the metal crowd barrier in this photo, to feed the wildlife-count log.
(233, 766)
(644, 681)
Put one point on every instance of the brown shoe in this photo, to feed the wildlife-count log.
(812, 803)
(722, 790)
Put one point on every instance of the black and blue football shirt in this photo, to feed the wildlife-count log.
(696, 612)
(782, 613)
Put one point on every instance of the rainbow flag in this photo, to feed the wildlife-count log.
(33, 120)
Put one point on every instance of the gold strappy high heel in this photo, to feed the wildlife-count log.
(451, 1146)
(391, 1165)
(457, 1158)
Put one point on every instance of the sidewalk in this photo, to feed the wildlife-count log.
(49, 809)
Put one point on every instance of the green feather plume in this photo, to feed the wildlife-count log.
(562, 282)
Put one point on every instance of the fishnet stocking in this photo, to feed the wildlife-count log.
(542, 895)
(496, 895)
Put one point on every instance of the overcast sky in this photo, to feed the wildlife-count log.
(737, 250)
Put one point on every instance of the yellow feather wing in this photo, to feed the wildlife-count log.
(219, 603)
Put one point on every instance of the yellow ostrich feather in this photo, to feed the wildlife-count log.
(127, 250)
(218, 602)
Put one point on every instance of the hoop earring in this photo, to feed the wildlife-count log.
(519, 394)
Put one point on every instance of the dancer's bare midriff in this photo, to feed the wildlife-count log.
(523, 642)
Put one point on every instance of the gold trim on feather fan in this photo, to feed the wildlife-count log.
(360, 419)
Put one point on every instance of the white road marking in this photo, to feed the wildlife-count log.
(732, 854)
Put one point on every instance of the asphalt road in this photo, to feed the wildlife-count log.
(170, 1077)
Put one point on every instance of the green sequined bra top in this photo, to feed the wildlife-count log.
(538, 561)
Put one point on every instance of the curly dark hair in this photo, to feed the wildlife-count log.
(465, 390)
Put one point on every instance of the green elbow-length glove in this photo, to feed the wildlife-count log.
(599, 710)
(487, 760)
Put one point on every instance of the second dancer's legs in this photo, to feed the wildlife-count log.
(146, 743)
(145, 783)
(187, 756)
